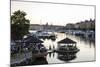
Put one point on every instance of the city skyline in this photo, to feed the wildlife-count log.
(55, 14)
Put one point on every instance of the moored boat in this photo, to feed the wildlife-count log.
(67, 49)
(39, 51)
(67, 46)
(44, 35)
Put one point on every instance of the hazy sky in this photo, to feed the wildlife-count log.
(56, 14)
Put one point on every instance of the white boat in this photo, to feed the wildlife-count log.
(67, 46)
(44, 34)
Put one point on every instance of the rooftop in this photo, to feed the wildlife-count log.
(67, 41)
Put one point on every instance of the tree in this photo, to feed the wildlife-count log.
(19, 25)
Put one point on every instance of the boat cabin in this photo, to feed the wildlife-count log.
(66, 42)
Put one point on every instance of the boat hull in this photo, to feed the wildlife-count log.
(67, 52)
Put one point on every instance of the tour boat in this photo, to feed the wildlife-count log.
(67, 46)
(67, 49)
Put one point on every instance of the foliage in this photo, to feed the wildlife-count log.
(19, 25)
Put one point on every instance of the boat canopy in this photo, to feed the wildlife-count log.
(32, 39)
(67, 41)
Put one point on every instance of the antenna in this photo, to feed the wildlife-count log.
(40, 21)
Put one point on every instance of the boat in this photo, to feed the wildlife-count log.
(46, 35)
(67, 57)
(36, 46)
(39, 51)
(67, 49)
(67, 46)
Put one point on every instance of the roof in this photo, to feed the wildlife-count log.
(32, 39)
(67, 41)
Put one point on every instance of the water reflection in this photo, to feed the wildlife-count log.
(40, 61)
(51, 55)
(86, 46)
(87, 41)
(67, 57)
(86, 53)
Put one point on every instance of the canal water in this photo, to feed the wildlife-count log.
(86, 53)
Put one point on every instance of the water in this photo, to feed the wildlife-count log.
(86, 53)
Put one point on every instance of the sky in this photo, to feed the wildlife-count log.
(55, 14)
